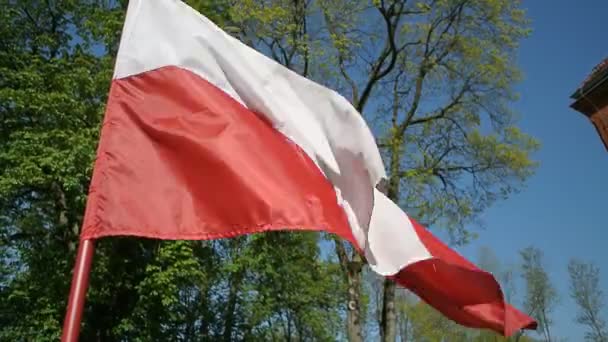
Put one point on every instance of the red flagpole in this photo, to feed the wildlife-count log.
(78, 291)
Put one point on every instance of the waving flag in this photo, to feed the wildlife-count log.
(206, 138)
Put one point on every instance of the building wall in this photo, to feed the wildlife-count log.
(600, 121)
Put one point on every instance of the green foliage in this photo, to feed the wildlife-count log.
(434, 76)
(56, 62)
(436, 80)
(293, 293)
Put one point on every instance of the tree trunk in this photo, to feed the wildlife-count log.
(355, 276)
(388, 328)
(546, 327)
(388, 324)
(206, 316)
(353, 269)
(63, 219)
(235, 283)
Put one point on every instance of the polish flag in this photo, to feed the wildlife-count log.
(205, 138)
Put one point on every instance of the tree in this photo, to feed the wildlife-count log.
(586, 292)
(435, 78)
(56, 61)
(541, 296)
(51, 90)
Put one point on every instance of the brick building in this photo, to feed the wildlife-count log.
(591, 99)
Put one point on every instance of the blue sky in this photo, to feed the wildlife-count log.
(563, 208)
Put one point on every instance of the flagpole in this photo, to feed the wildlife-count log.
(78, 291)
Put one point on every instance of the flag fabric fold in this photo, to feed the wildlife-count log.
(206, 138)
